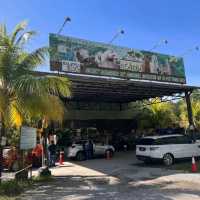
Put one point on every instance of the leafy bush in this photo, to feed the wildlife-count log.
(44, 172)
(11, 188)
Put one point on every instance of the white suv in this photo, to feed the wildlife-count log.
(166, 148)
(76, 150)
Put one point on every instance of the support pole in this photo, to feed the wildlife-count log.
(189, 108)
(191, 127)
(45, 147)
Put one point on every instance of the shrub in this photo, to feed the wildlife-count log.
(44, 172)
(11, 188)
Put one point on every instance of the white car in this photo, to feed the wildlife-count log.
(166, 148)
(76, 150)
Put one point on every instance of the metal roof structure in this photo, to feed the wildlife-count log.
(104, 89)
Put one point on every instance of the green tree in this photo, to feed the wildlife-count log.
(151, 114)
(25, 96)
(163, 114)
(182, 110)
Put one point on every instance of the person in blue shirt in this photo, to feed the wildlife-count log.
(52, 153)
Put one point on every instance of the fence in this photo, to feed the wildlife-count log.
(24, 173)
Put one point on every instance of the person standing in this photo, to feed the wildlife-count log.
(52, 152)
(90, 149)
(37, 155)
(85, 150)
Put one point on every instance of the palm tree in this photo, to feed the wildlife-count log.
(23, 94)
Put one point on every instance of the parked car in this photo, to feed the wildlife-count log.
(10, 158)
(76, 150)
(166, 148)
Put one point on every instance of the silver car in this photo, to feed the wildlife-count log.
(77, 151)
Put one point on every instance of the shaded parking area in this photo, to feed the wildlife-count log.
(123, 177)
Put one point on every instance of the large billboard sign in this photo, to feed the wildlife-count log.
(74, 55)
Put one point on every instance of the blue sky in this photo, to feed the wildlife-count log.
(145, 23)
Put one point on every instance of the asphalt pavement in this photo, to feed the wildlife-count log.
(121, 178)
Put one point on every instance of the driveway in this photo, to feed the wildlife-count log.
(122, 178)
(123, 164)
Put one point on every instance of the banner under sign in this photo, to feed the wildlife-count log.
(85, 57)
(28, 138)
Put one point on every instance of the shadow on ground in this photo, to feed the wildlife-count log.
(125, 164)
(102, 188)
(101, 179)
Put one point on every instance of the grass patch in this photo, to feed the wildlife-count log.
(185, 166)
(40, 179)
(13, 187)
(9, 190)
(9, 198)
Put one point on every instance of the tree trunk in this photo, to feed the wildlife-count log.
(2, 133)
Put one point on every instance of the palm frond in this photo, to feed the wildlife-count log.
(3, 101)
(4, 39)
(3, 30)
(7, 62)
(24, 38)
(18, 28)
(42, 85)
(54, 109)
(24, 95)
(50, 106)
(14, 117)
(32, 60)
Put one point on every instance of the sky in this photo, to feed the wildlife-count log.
(145, 24)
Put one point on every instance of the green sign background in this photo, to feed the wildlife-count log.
(74, 55)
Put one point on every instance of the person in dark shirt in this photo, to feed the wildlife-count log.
(85, 150)
(52, 152)
(89, 149)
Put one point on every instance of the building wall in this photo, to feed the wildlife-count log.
(91, 110)
(91, 114)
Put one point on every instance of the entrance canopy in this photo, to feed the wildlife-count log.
(98, 89)
(104, 89)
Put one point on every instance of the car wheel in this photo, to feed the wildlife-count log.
(80, 156)
(168, 159)
(110, 152)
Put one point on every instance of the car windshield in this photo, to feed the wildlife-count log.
(146, 141)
